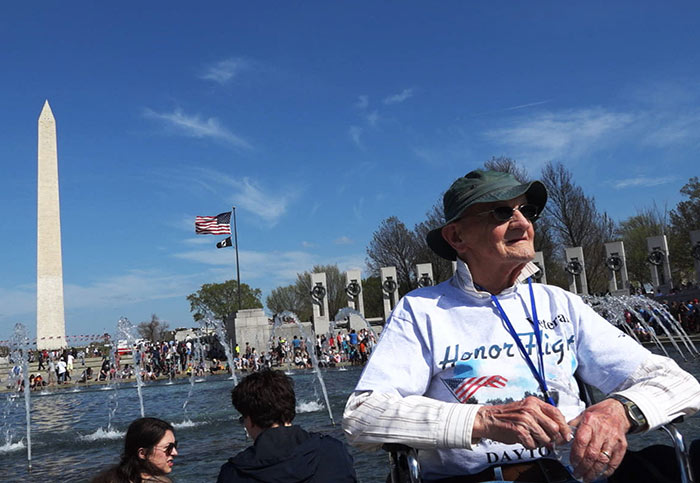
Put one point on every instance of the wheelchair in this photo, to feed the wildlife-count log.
(405, 467)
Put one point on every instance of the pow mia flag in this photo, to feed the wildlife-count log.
(225, 243)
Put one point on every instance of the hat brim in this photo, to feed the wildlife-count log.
(535, 192)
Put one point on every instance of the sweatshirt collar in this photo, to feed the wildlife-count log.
(463, 280)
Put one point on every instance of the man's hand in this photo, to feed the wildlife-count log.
(530, 422)
(600, 442)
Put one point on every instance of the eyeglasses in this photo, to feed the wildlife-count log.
(168, 450)
(241, 420)
(504, 213)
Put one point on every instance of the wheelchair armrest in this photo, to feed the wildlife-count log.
(682, 457)
(404, 462)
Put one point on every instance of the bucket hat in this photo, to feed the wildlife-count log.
(481, 186)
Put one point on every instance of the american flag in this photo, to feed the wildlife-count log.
(213, 225)
(470, 385)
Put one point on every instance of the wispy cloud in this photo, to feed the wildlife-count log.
(673, 128)
(644, 181)
(269, 204)
(355, 133)
(362, 102)
(564, 134)
(525, 106)
(343, 240)
(134, 286)
(224, 71)
(196, 127)
(118, 291)
(372, 118)
(399, 98)
(307, 244)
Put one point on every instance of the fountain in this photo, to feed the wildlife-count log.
(126, 329)
(196, 358)
(282, 318)
(612, 308)
(19, 382)
(345, 313)
(221, 334)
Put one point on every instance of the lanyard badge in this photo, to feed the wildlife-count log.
(537, 372)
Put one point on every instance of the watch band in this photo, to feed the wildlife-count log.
(638, 422)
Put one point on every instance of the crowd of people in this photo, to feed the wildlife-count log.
(353, 347)
(192, 356)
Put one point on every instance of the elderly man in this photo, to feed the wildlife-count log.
(478, 371)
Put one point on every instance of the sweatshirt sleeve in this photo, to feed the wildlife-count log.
(662, 390)
(371, 419)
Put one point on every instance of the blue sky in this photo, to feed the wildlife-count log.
(317, 120)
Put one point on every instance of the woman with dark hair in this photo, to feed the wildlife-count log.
(149, 449)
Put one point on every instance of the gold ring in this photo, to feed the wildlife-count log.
(605, 453)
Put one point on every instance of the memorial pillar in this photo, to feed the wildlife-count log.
(319, 303)
(616, 262)
(576, 269)
(353, 289)
(390, 289)
(541, 276)
(659, 264)
(424, 271)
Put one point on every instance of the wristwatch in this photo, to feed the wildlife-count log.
(635, 416)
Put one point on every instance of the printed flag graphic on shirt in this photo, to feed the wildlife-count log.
(213, 225)
(225, 243)
(463, 389)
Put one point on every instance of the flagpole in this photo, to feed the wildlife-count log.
(238, 273)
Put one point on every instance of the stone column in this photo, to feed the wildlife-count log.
(659, 264)
(541, 276)
(390, 289)
(695, 252)
(319, 302)
(576, 268)
(353, 289)
(617, 268)
(50, 315)
(425, 274)
(253, 326)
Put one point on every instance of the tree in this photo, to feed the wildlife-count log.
(684, 219)
(153, 330)
(289, 298)
(221, 300)
(634, 232)
(507, 165)
(575, 221)
(392, 245)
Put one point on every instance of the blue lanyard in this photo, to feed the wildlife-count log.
(539, 371)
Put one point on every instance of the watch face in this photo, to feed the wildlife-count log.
(635, 414)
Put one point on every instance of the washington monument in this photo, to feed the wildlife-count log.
(50, 321)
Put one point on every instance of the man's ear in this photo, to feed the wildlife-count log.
(142, 453)
(453, 236)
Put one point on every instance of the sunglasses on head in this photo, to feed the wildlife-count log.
(504, 213)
